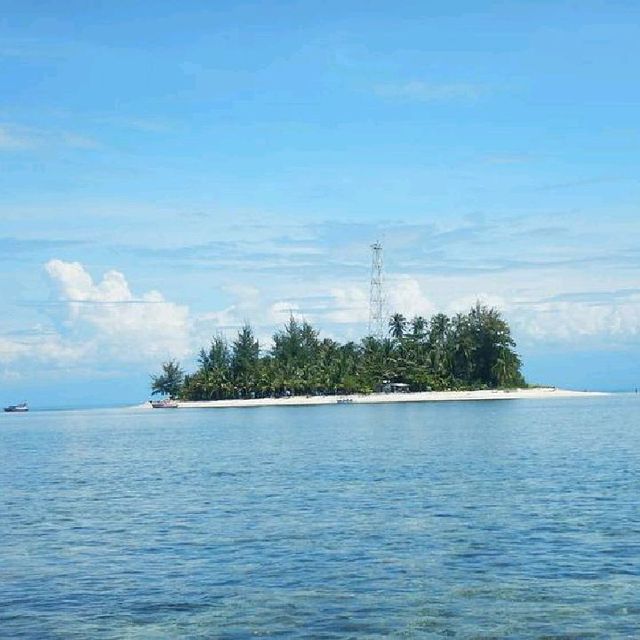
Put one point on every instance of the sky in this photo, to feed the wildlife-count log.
(169, 170)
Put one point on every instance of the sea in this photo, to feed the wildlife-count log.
(489, 519)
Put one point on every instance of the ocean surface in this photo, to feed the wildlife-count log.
(503, 519)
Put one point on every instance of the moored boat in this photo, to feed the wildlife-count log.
(167, 403)
(17, 408)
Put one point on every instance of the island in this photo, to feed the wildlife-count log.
(470, 356)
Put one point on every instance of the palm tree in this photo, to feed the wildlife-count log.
(418, 327)
(397, 326)
(472, 350)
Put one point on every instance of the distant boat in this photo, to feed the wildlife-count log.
(344, 400)
(167, 403)
(17, 408)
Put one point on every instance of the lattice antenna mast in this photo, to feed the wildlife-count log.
(376, 294)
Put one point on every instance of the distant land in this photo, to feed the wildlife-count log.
(536, 393)
(467, 352)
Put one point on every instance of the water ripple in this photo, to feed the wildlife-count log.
(480, 520)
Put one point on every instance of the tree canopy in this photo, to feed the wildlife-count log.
(169, 382)
(467, 351)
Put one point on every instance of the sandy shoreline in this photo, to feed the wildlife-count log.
(380, 398)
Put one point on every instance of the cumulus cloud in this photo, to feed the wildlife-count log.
(405, 294)
(341, 309)
(126, 326)
(249, 305)
(349, 304)
(603, 322)
(575, 322)
(104, 322)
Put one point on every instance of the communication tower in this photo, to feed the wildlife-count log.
(376, 294)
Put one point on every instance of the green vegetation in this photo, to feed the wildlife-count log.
(170, 381)
(467, 351)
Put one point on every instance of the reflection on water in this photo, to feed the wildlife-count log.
(484, 519)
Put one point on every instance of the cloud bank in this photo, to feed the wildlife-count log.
(101, 323)
(94, 324)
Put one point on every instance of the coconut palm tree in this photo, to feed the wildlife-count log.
(397, 326)
(418, 327)
(471, 350)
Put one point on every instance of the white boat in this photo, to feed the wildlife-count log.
(167, 403)
(17, 408)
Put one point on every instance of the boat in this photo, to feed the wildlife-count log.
(17, 408)
(167, 403)
(344, 400)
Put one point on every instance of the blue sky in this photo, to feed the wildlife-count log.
(171, 169)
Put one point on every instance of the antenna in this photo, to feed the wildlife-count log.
(376, 294)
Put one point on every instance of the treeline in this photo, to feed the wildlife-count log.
(467, 351)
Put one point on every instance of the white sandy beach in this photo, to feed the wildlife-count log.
(379, 398)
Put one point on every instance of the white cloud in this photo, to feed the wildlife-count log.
(464, 303)
(104, 324)
(249, 306)
(568, 322)
(245, 308)
(280, 312)
(45, 347)
(575, 322)
(118, 323)
(10, 350)
(350, 305)
(406, 296)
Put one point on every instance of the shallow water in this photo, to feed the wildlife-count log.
(505, 519)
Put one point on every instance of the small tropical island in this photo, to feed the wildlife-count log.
(468, 356)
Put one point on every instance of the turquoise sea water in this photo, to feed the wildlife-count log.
(504, 519)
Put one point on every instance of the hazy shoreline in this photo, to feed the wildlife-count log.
(383, 398)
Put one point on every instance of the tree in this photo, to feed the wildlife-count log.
(438, 345)
(462, 351)
(397, 326)
(244, 359)
(496, 361)
(217, 357)
(418, 327)
(169, 382)
(470, 350)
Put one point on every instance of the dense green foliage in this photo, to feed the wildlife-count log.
(169, 382)
(467, 351)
